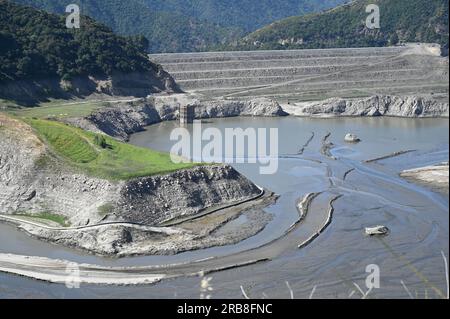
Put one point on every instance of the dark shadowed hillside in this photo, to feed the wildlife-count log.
(245, 14)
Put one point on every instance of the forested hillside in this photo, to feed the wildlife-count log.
(248, 15)
(186, 25)
(36, 44)
(400, 21)
(166, 31)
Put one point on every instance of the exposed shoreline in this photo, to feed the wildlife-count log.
(435, 177)
(198, 232)
(59, 271)
(65, 272)
(120, 120)
(408, 106)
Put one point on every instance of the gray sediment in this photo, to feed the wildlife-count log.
(394, 106)
(435, 177)
(347, 173)
(325, 225)
(327, 146)
(303, 208)
(302, 150)
(394, 154)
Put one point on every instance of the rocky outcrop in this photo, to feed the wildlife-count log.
(152, 200)
(252, 107)
(128, 240)
(34, 180)
(351, 138)
(434, 176)
(398, 106)
(122, 218)
(123, 119)
(377, 230)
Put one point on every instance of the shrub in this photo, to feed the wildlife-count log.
(100, 140)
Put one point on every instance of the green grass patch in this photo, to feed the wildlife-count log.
(105, 209)
(56, 109)
(43, 161)
(112, 159)
(59, 219)
(66, 141)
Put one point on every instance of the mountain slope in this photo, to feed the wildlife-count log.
(246, 14)
(37, 46)
(186, 25)
(401, 21)
(166, 31)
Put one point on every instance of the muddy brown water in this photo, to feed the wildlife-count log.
(334, 264)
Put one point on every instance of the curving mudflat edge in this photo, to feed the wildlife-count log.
(324, 226)
(303, 207)
(348, 172)
(327, 146)
(302, 149)
(132, 239)
(63, 271)
(206, 212)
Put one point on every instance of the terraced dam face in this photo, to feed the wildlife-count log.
(301, 75)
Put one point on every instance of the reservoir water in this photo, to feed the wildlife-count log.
(334, 264)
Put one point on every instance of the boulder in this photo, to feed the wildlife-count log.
(377, 231)
(352, 138)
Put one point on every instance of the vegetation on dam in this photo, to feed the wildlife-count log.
(56, 109)
(101, 155)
